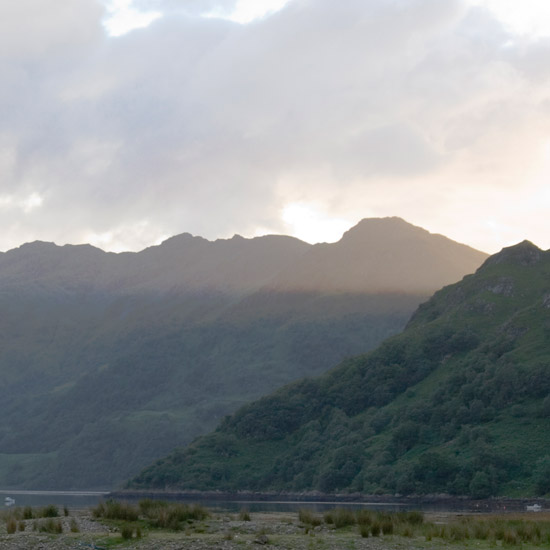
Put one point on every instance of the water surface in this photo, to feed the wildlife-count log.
(71, 499)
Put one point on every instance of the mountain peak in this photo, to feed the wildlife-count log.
(181, 240)
(524, 253)
(37, 246)
(372, 227)
(381, 255)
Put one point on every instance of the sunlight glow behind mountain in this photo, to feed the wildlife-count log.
(309, 223)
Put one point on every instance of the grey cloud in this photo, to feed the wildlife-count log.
(192, 124)
(390, 150)
(31, 29)
(532, 61)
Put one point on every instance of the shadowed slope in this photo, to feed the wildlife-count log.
(108, 361)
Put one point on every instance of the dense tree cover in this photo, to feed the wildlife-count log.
(108, 361)
(458, 403)
(162, 387)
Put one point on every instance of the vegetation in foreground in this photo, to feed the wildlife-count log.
(151, 523)
(151, 514)
(459, 403)
(43, 520)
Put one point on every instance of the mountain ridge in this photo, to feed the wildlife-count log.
(102, 353)
(413, 257)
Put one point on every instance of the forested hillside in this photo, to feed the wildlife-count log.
(458, 403)
(109, 361)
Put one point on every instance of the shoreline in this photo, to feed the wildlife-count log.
(296, 530)
(496, 504)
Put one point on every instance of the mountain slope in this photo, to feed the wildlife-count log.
(384, 255)
(108, 361)
(457, 403)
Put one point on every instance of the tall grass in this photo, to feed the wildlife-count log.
(153, 513)
(114, 509)
(11, 525)
(510, 530)
(340, 517)
(50, 511)
(44, 519)
(126, 531)
(244, 515)
(49, 525)
(497, 530)
(309, 518)
(27, 512)
(375, 523)
(173, 515)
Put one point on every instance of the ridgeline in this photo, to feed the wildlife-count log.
(108, 361)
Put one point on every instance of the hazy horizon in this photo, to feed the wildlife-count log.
(236, 235)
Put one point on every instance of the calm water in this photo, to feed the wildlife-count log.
(78, 500)
(87, 499)
(73, 500)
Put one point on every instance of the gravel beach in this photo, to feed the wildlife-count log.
(276, 531)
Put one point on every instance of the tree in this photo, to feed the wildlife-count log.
(481, 486)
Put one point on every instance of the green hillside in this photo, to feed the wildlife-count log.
(458, 403)
(109, 361)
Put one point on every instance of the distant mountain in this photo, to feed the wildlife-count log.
(108, 361)
(380, 255)
(458, 403)
(183, 263)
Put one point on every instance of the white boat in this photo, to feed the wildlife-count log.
(8, 501)
(533, 508)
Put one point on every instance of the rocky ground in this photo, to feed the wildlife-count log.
(222, 531)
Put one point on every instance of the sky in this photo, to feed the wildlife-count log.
(124, 122)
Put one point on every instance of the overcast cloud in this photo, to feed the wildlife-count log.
(424, 109)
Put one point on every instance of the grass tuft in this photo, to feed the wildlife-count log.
(11, 525)
(113, 509)
(244, 515)
(309, 518)
(126, 531)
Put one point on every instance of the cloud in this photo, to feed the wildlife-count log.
(203, 125)
(30, 29)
